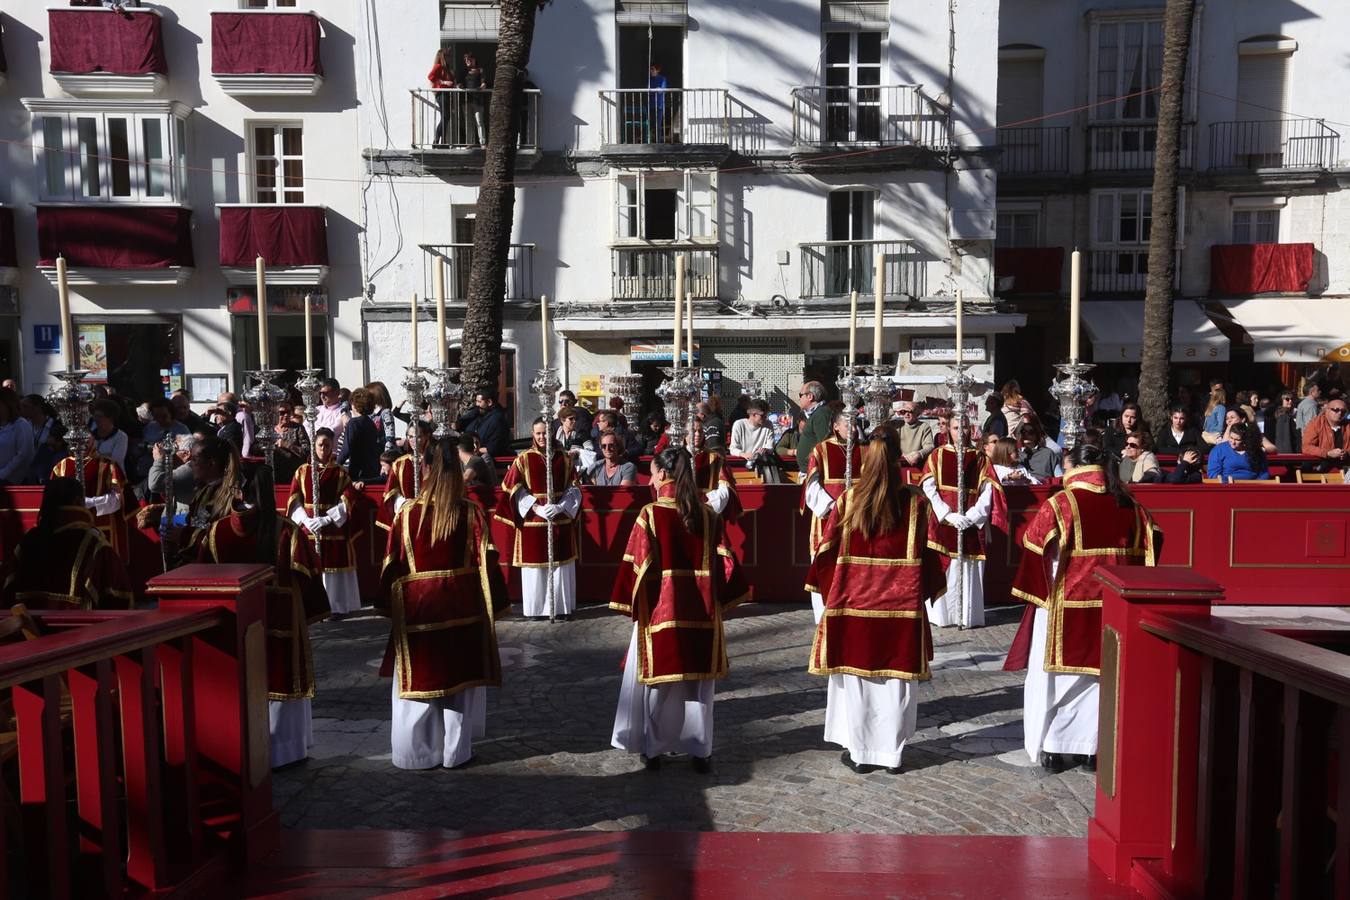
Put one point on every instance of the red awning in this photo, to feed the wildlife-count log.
(1243, 269)
(115, 237)
(102, 40)
(9, 259)
(282, 235)
(256, 43)
(1034, 270)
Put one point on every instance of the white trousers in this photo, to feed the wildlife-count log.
(440, 732)
(534, 586)
(945, 610)
(1059, 712)
(291, 726)
(817, 606)
(871, 717)
(676, 717)
(344, 594)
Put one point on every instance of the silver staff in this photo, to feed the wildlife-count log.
(960, 384)
(309, 385)
(849, 384)
(546, 386)
(167, 448)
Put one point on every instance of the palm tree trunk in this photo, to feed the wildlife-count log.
(1156, 358)
(482, 341)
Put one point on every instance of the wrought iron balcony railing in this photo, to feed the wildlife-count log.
(894, 115)
(648, 273)
(457, 119)
(1119, 147)
(1273, 144)
(835, 268)
(696, 116)
(1033, 151)
(458, 260)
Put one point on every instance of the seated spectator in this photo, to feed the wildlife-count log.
(752, 434)
(1325, 436)
(1002, 452)
(1130, 421)
(569, 435)
(1039, 460)
(568, 400)
(1237, 415)
(1189, 468)
(787, 444)
(224, 417)
(176, 472)
(1234, 460)
(182, 411)
(654, 437)
(710, 414)
(995, 423)
(1138, 465)
(16, 440)
(917, 438)
(110, 442)
(487, 420)
(1178, 433)
(1215, 411)
(611, 468)
(41, 415)
(1281, 425)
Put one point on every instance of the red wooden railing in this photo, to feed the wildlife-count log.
(140, 742)
(1223, 767)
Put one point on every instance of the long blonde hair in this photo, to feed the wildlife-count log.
(874, 506)
(1217, 396)
(443, 490)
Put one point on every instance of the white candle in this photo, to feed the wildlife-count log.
(879, 282)
(309, 332)
(261, 278)
(414, 329)
(67, 327)
(543, 324)
(960, 325)
(679, 310)
(689, 338)
(1075, 300)
(852, 327)
(442, 350)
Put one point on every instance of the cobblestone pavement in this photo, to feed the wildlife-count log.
(546, 762)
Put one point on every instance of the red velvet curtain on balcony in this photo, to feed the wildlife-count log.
(282, 235)
(115, 237)
(1034, 270)
(85, 41)
(9, 259)
(259, 43)
(1240, 269)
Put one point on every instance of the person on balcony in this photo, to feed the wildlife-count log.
(1093, 522)
(329, 517)
(657, 126)
(442, 81)
(983, 503)
(64, 562)
(473, 79)
(526, 505)
(254, 533)
(822, 486)
(875, 569)
(1325, 436)
(442, 589)
(678, 650)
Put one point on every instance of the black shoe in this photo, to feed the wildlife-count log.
(892, 770)
(565, 617)
(1088, 762)
(293, 764)
(702, 764)
(1054, 762)
(861, 768)
(652, 763)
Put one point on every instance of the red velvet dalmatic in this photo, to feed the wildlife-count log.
(526, 473)
(941, 467)
(1090, 530)
(400, 484)
(710, 472)
(827, 458)
(874, 624)
(70, 567)
(295, 597)
(337, 553)
(103, 476)
(677, 586)
(442, 599)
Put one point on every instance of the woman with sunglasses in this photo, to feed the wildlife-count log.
(1138, 465)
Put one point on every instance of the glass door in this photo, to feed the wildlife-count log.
(853, 86)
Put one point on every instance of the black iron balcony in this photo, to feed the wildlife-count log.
(895, 115)
(1273, 144)
(665, 116)
(1033, 151)
(648, 272)
(836, 268)
(458, 261)
(1121, 147)
(450, 128)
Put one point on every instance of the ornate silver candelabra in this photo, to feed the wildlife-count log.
(309, 385)
(264, 400)
(628, 389)
(680, 386)
(415, 391)
(850, 384)
(443, 398)
(71, 398)
(959, 384)
(545, 387)
(877, 391)
(1072, 391)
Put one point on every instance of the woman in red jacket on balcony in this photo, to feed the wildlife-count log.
(442, 80)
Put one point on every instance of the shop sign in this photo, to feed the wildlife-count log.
(943, 350)
(93, 346)
(658, 351)
(281, 300)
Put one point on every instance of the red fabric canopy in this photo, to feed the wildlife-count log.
(281, 235)
(9, 259)
(100, 40)
(1259, 268)
(265, 43)
(115, 237)
(1035, 270)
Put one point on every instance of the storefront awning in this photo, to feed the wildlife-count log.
(1294, 329)
(1117, 332)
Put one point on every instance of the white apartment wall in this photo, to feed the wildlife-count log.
(217, 174)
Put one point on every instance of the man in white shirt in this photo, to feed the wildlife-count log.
(752, 434)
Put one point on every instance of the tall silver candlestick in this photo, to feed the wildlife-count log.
(1072, 392)
(444, 397)
(264, 400)
(675, 393)
(545, 387)
(415, 391)
(71, 398)
(877, 391)
(850, 384)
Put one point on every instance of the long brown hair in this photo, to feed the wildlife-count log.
(874, 506)
(677, 463)
(219, 502)
(443, 490)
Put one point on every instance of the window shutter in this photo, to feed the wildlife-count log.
(1021, 87)
(1263, 86)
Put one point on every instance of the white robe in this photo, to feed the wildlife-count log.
(871, 717)
(1059, 711)
(820, 503)
(291, 726)
(425, 734)
(652, 719)
(534, 579)
(945, 610)
(344, 591)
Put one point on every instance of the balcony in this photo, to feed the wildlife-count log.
(1028, 270)
(9, 259)
(99, 52)
(266, 53)
(648, 273)
(1114, 147)
(1243, 270)
(889, 122)
(691, 125)
(116, 244)
(1033, 151)
(446, 129)
(291, 239)
(833, 269)
(458, 261)
(1122, 272)
(1276, 144)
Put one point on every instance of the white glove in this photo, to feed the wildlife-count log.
(90, 502)
(958, 521)
(318, 523)
(549, 511)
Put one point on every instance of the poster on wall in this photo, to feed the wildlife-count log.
(93, 346)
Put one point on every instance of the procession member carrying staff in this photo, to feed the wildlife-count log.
(253, 532)
(677, 582)
(215, 469)
(443, 589)
(105, 497)
(399, 488)
(824, 483)
(712, 477)
(330, 519)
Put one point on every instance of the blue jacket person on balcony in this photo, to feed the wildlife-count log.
(657, 127)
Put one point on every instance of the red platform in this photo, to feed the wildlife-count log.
(345, 864)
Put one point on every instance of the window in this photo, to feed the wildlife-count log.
(1256, 226)
(851, 215)
(1019, 229)
(1128, 67)
(1122, 223)
(277, 163)
(666, 206)
(852, 86)
(267, 4)
(102, 156)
